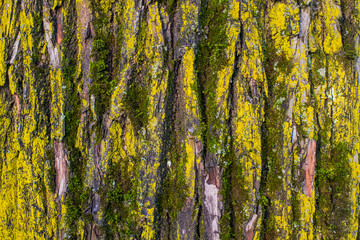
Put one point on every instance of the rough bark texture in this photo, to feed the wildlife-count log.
(179, 119)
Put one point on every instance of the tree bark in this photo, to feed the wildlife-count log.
(181, 119)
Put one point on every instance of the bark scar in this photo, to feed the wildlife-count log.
(59, 26)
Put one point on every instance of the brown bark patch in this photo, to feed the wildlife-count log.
(92, 232)
(198, 148)
(214, 177)
(250, 227)
(309, 168)
(59, 26)
(17, 102)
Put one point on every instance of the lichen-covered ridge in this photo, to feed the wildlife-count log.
(179, 119)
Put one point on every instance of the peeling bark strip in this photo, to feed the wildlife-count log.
(212, 203)
(15, 49)
(53, 50)
(61, 165)
(309, 168)
(59, 25)
(182, 119)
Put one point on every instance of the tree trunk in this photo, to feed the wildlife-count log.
(181, 119)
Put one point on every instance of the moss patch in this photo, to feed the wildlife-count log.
(333, 183)
(210, 58)
(235, 195)
(136, 104)
(119, 196)
(75, 201)
(103, 64)
(349, 27)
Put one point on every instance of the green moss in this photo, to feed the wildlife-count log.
(210, 58)
(103, 64)
(75, 203)
(100, 74)
(136, 104)
(173, 188)
(271, 228)
(119, 198)
(235, 195)
(349, 27)
(50, 161)
(40, 68)
(333, 184)
(297, 180)
(276, 63)
(170, 5)
(174, 192)
(296, 210)
(70, 80)
(272, 146)
(211, 52)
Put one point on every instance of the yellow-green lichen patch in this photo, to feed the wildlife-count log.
(189, 20)
(191, 119)
(28, 196)
(332, 41)
(8, 182)
(2, 62)
(8, 24)
(284, 22)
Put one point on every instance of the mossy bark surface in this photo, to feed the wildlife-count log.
(179, 119)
